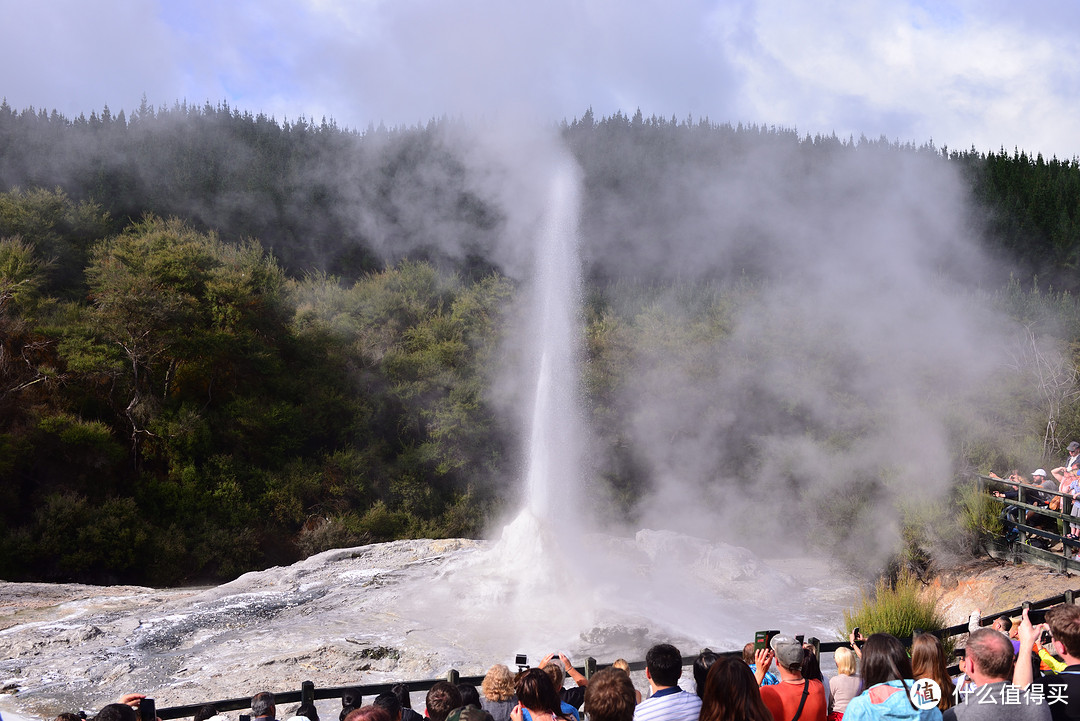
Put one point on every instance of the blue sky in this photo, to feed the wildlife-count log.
(960, 72)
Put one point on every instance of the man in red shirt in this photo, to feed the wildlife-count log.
(794, 698)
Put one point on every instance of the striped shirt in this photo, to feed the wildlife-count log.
(669, 704)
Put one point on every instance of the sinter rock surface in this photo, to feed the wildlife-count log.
(397, 611)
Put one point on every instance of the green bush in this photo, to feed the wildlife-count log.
(976, 513)
(897, 608)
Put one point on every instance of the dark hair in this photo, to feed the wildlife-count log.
(345, 711)
(884, 659)
(731, 693)
(535, 691)
(368, 713)
(68, 716)
(308, 711)
(469, 695)
(389, 701)
(205, 712)
(262, 704)
(811, 664)
(402, 692)
(441, 700)
(702, 663)
(610, 696)
(664, 664)
(117, 712)
(352, 697)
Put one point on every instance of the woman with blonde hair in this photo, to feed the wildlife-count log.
(497, 692)
(845, 685)
(928, 661)
(622, 665)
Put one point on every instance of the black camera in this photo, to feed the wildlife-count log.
(522, 661)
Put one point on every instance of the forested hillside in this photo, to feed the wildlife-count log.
(226, 342)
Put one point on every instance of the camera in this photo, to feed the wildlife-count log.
(147, 710)
(762, 639)
(1045, 638)
(522, 661)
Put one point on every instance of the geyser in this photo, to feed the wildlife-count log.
(414, 609)
(533, 544)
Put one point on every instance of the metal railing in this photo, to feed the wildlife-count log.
(308, 693)
(1027, 508)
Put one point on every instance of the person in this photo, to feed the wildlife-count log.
(389, 702)
(368, 713)
(794, 697)
(1043, 498)
(402, 692)
(262, 706)
(441, 699)
(1073, 460)
(1010, 515)
(811, 668)
(988, 662)
(701, 666)
(1069, 482)
(538, 699)
(469, 712)
(610, 696)
(555, 673)
(845, 685)
(1003, 624)
(497, 692)
(624, 666)
(730, 692)
(308, 711)
(575, 695)
(666, 702)
(928, 661)
(1064, 623)
(888, 678)
(770, 678)
(116, 712)
(351, 699)
(207, 711)
(469, 695)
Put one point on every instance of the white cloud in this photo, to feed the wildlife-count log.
(988, 73)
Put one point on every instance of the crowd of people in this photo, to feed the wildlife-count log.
(1043, 492)
(1008, 672)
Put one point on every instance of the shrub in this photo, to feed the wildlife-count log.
(898, 608)
(977, 514)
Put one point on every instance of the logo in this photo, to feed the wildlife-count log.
(925, 693)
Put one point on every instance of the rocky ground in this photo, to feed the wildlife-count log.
(373, 614)
(993, 585)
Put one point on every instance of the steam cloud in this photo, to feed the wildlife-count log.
(855, 346)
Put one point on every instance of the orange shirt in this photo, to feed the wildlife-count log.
(783, 699)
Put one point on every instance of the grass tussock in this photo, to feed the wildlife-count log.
(898, 608)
